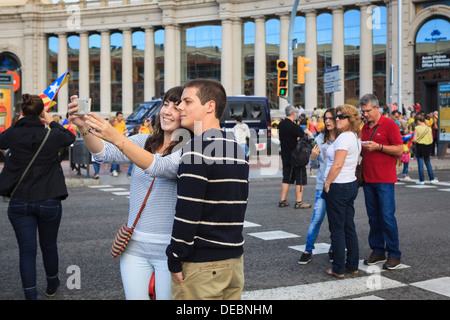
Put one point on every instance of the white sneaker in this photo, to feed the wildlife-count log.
(406, 178)
(115, 173)
(420, 182)
(434, 181)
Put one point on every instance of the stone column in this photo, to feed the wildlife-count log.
(149, 64)
(237, 58)
(169, 57)
(260, 57)
(63, 64)
(83, 62)
(337, 51)
(127, 73)
(105, 73)
(366, 51)
(310, 86)
(226, 69)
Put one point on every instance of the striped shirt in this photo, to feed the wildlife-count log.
(212, 199)
(153, 230)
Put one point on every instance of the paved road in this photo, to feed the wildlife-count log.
(92, 215)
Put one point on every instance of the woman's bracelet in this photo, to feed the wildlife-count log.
(86, 132)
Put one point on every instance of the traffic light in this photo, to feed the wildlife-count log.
(302, 69)
(282, 81)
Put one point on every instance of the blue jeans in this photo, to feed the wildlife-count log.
(429, 168)
(316, 221)
(341, 212)
(29, 219)
(380, 206)
(114, 167)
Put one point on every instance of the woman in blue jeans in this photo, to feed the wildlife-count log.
(340, 190)
(319, 159)
(35, 208)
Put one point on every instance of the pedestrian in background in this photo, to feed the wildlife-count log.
(154, 156)
(319, 160)
(382, 144)
(289, 133)
(241, 133)
(35, 209)
(424, 139)
(340, 190)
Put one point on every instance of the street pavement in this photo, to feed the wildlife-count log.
(95, 210)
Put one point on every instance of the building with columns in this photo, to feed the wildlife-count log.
(124, 52)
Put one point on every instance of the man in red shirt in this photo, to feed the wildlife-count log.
(382, 144)
(417, 107)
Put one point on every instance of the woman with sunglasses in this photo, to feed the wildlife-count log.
(340, 190)
(319, 160)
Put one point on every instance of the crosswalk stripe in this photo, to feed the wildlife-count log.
(273, 235)
(325, 290)
(113, 189)
(439, 285)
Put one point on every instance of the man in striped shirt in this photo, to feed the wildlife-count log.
(205, 255)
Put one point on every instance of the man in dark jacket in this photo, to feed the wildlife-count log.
(289, 134)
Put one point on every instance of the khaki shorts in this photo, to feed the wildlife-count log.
(216, 280)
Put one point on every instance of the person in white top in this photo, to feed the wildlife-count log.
(157, 155)
(341, 189)
(241, 133)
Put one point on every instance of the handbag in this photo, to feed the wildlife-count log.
(31, 162)
(124, 234)
(404, 158)
(358, 171)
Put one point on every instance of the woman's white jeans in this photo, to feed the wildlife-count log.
(136, 273)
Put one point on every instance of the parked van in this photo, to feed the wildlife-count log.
(255, 113)
(145, 110)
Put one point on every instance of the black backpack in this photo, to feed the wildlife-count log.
(301, 153)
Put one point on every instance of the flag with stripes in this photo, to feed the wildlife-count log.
(49, 94)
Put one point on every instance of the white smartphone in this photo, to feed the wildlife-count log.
(364, 142)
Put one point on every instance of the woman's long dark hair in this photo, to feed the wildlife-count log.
(326, 132)
(156, 139)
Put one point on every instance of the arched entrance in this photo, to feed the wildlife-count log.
(432, 57)
(9, 63)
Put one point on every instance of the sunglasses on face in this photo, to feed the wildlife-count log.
(341, 116)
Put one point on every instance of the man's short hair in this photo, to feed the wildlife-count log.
(289, 110)
(369, 99)
(208, 90)
(118, 112)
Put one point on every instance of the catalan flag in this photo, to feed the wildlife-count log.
(66, 124)
(50, 93)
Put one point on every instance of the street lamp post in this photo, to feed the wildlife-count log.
(290, 54)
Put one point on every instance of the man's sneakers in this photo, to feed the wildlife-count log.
(391, 263)
(305, 258)
(374, 259)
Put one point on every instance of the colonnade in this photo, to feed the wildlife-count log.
(231, 58)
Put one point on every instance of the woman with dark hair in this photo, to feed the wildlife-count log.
(35, 207)
(154, 156)
(340, 190)
(319, 160)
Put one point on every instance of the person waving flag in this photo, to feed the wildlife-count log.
(49, 94)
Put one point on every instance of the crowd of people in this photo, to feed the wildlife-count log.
(190, 236)
(343, 138)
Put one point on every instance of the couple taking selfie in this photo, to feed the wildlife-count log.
(190, 232)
